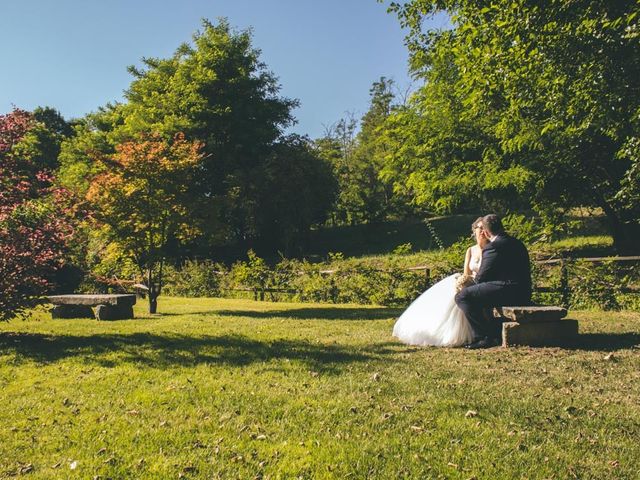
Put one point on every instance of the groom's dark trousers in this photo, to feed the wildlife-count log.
(504, 279)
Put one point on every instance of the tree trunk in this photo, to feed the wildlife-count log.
(153, 301)
(625, 235)
(153, 291)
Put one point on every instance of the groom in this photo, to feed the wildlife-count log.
(504, 278)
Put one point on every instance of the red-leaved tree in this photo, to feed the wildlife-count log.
(34, 221)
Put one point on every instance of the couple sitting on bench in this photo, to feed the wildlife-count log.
(451, 313)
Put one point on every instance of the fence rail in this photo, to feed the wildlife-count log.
(564, 289)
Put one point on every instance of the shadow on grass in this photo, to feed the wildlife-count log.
(605, 342)
(316, 313)
(162, 351)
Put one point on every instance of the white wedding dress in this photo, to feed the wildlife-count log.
(434, 318)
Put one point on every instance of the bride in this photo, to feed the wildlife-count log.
(434, 318)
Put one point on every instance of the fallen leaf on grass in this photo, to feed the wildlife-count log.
(133, 412)
(376, 377)
(471, 413)
(416, 428)
(73, 465)
(26, 468)
(614, 463)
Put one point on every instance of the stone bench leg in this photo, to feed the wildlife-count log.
(111, 312)
(540, 334)
(71, 311)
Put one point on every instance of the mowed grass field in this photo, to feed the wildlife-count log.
(216, 388)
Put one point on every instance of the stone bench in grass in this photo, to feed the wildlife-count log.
(536, 326)
(108, 307)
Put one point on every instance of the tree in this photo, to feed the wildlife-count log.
(553, 87)
(35, 223)
(444, 159)
(296, 189)
(336, 147)
(215, 91)
(377, 196)
(358, 159)
(145, 197)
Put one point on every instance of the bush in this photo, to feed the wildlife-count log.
(387, 281)
(597, 285)
(194, 279)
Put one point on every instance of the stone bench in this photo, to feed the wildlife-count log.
(536, 326)
(108, 307)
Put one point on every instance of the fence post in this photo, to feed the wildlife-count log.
(427, 278)
(334, 291)
(564, 282)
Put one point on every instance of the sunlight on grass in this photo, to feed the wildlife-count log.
(217, 388)
(582, 242)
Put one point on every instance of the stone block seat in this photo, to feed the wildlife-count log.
(536, 326)
(107, 307)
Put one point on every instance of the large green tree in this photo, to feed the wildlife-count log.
(218, 92)
(550, 88)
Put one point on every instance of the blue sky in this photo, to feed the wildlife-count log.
(72, 54)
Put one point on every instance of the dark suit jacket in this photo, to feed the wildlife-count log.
(506, 260)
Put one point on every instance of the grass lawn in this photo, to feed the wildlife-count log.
(237, 389)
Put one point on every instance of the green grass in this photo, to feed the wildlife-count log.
(584, 245)
(237, 389)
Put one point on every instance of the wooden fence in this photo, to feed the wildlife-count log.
(564, 288)
(564, 264)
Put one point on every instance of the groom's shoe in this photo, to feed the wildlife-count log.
(485, 342)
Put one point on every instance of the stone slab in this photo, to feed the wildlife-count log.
(94, 300)
(542, 334)
(530, 314)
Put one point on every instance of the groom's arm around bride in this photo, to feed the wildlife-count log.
(504, 278)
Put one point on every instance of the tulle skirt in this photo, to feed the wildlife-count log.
(435, 319)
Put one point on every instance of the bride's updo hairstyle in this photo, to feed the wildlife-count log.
(492, 224)
(476, 223)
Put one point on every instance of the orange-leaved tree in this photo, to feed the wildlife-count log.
(146, 197)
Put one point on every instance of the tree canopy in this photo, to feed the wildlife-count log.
(545, 94)
(144, 196)
(35, 216)
(218, 92)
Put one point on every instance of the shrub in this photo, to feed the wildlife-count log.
(194, 279)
